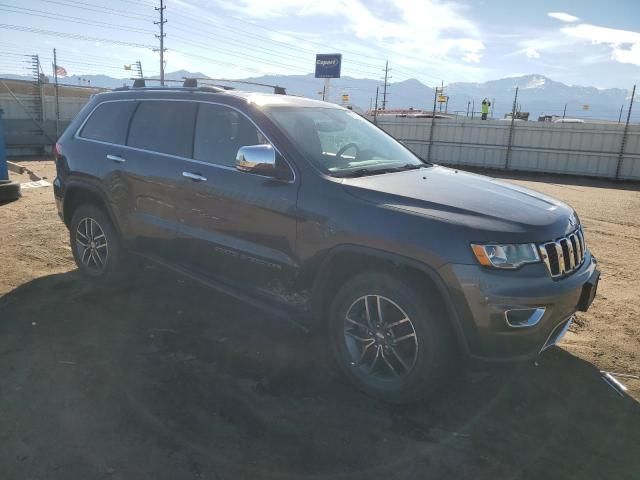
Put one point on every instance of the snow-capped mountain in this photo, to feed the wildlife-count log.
(537, 94)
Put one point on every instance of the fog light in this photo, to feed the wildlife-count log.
(524, 317)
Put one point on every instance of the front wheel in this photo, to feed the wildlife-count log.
(95, 244)
(390, 339)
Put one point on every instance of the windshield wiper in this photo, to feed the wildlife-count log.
(406, 166)
(363, 172)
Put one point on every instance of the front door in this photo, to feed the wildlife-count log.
(238, 227)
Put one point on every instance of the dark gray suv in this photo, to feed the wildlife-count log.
(311, 212)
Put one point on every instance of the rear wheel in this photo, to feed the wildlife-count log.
(95, 244)
(390, 340)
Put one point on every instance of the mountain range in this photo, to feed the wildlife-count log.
(537, 94)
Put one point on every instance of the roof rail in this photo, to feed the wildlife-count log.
(276, 88)
(187, 84)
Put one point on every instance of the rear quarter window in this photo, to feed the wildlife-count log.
(109, 122)
(164, 127)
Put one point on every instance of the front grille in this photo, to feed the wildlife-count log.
(564, 255)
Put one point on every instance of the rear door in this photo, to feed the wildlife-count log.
(143, 176)
(238, 226)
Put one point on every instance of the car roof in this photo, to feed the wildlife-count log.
(256, 98)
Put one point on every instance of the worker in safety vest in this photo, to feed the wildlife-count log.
(485, 108)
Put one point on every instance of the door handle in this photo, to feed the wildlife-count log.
(116, 158)
(196, 177)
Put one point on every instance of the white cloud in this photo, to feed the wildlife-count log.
(562, 16)
(532, 53)
(420, 29)
(624, 44)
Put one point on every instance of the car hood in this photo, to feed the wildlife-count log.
(481, 203)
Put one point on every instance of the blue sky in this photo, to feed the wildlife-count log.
(576, 42)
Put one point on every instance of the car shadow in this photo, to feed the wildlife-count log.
(157, 377)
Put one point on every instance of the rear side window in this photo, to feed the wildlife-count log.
(109, 122)
(220, 132)
(165, 127)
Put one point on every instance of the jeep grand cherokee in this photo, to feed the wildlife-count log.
(310, 211)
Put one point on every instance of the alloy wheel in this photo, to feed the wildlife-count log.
(380, 338)
(91, 242)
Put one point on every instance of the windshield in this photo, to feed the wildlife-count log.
(342, 143)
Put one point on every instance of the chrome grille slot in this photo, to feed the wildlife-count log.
(574, 249)
(564, 255)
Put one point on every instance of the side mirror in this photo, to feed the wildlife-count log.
(259, 159)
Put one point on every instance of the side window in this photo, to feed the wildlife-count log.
(220, 132)
(165, 127)
(109, 122)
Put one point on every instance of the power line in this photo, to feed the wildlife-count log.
(97, 8)
(262, 38)
(67, 18)
(406, 71)
(75, 36)
(302, 39)
(242, 45)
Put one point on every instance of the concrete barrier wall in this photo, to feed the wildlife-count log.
(590, 149)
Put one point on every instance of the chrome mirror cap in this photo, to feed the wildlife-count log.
(259, 159)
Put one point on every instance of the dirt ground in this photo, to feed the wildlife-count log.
(159, 378)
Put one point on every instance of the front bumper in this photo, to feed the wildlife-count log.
(481, 296)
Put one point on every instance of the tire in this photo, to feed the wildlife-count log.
(9, 191)
(103, 259)
(413, 357)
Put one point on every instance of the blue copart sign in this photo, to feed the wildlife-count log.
(328, 65)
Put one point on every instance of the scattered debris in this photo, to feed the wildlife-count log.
(36, 184)
(20, 169)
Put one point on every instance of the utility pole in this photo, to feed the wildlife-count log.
(564, 112)
(161, 23)
(493, 102)
(375, 112)
(386, 85)
(433, 123)
(468, 105)
(514, 110)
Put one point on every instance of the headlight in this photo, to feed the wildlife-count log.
(506, 256)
